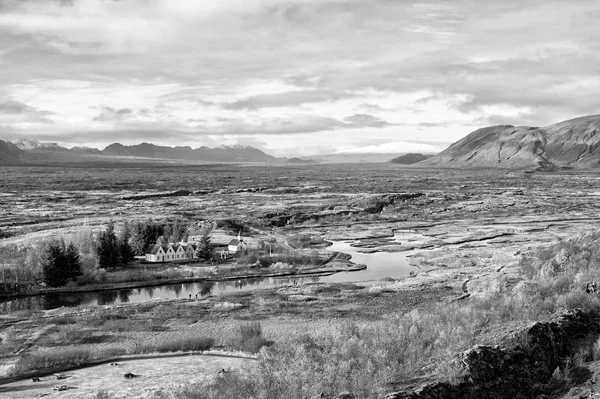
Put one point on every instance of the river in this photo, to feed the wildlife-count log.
(379, 265)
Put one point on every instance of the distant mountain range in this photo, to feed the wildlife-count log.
(574, 143)
(28, 151)
(231, 153)
(350, 157)
(42, 152)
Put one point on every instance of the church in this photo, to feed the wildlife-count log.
(237, 245)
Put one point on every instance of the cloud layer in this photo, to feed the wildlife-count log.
(292, 75)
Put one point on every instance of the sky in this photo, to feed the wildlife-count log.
(293, 77)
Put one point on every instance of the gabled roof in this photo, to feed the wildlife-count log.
(234, 242)
(153, 249)
(176, 247)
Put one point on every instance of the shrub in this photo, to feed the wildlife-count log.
(176, 345)
(248, 338)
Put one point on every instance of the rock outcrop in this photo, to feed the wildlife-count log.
(570, 144)
(521, 370)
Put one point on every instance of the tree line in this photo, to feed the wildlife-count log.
(63, 262)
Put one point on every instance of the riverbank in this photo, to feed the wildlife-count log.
(340, 264)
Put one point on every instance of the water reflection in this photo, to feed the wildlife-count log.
(206, 288)
(137, 295)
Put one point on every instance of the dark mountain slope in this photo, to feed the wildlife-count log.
(409, 159)
(572, 143)
(10, 154)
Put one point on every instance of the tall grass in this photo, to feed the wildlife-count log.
(78, 356)
(63, 358)
(178, 345)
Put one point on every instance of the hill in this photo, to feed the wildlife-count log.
(10, 154)
(350, 157)
(299, 161)
(573, 143)
(409, 159)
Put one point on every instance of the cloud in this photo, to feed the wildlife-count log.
(292, 98)
(396, 147)
(291, 68)
(18, 113)
(113, 114)
(364, 120)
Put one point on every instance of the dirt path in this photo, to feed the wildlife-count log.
(152, 375)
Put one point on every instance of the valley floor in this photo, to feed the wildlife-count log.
(474, 228)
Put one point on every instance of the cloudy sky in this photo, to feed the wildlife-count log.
(293, 77)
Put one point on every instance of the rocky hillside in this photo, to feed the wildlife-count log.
(10, 154)
(574, 143)
(522, 369)
(409, 159)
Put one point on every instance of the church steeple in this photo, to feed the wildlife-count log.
(240, 236)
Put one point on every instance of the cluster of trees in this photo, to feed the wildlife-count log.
(70, 257)
(113, 251)
(145, 233)
(63, 263)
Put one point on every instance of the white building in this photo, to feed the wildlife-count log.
(171, 252)
(237, 245)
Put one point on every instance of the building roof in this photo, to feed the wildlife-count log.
(153, 249)
(234, 242)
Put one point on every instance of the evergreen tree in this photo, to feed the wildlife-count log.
(204, 250)
(107, 249)
(125, 251)
(73, 260)
(62, 264)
